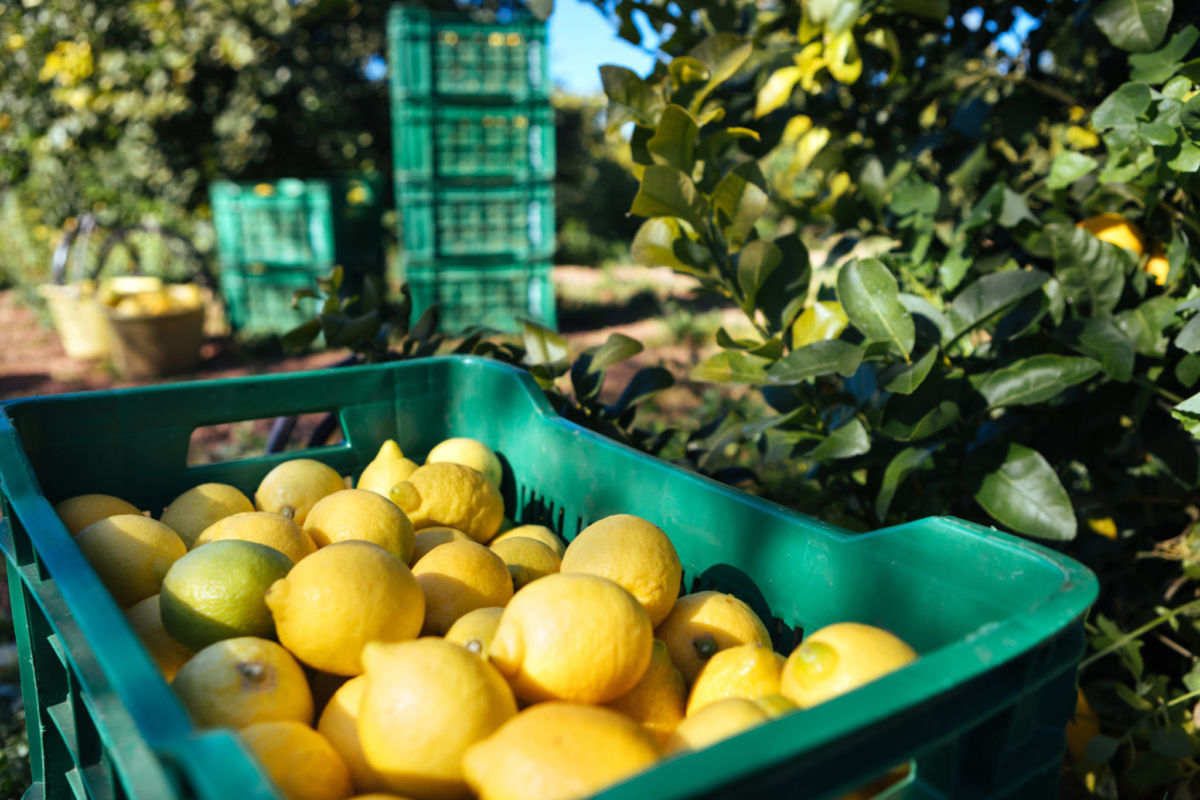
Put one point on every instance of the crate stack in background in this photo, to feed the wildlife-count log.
(473, 137)
(279, 236)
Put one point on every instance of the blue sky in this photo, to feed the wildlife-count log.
(581, 39)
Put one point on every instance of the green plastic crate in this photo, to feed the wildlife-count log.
(474, 293)
(452, 55)
(997, 620)
(434, 140)
(439, 220)
(259, 300)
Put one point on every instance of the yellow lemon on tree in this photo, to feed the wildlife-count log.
(301, 763)
(470, 453)
(295, 486)
(839, 658)
(558, 751)
(82, 510)
(341, 597)
(748, 670)
(131, 554)
(658, 700)
(715, 722)
(426, 702)
(238, 682)
(339, 724)
(451, 495)
(263, 527)
(429, 538)
(1158, 266)
(538, 533)
(146, 621)
(475, 629)
(197, 508)
(1115, 229)
(1081, 729)
(458, 577)
(388, 468)
(363, 515)
(572, 637)
(526, 559)
(218, 592)
(634, 553)
(702, 623)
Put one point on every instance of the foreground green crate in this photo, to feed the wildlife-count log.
(438, 220)
(453, 55)
(473, 293)
(997, 620)
(451, 142)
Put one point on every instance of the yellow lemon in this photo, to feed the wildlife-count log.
(458, 577)
(451, 495)
(1081, 729)
(748, 670)
(558, 751)
(702, 623)
(341, 597)
(1115, 229)
(146, 621)
(388, 468)
(218, 592)
(538, 533)
(82, 510)
(475, 629)
(1158, 266)
(572, 637)
(715, 722)
(339, 724)
(776, 705)
(429, 538)
(197, 508)
(658, 700)
(295, 486)
(838, 658)
(634, 553)
(470, 453)
(527, 559)
(238, 682)
(302, 764)
(426, 702)
(131, 554)
(359, 514)
(263, 527)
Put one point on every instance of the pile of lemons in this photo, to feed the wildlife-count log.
(403, 638)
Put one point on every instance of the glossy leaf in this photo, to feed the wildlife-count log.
(659, 243)
(990, 296)
(755, 264)
(1025, 494)
(1122, 107)
(786, 290)
(1159, 66)
(667, 192)
(1102, 339)
(777, 90)
(845, 63)
(739, 199)
(869, 295)
(542, 345)
(629, 97)
(646, 382)
(731, 366)
(1137, 25)
(820, 321)
(1188, 339)
(927, 411)
(674, 141)
(817, 359)
(1145, 325)
(847, 441)
(617, 348)
(905, 378)
(1033, 380)
(1188, 414)
(900, 467)
(1092, 272)
(1068, 167)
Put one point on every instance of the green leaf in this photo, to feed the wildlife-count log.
(674, 142)
(845, 63)
(644, 383)
(1158, 134)
(1100, 749)
(905, 378)
(1103, 340)
(1145, 325)
(846, 442)
(786, 290)
(731, 366)
(1068, 167)
(1189, 116)
(817, 359)
(711, 146)
(989, 297)
(617, 348)
(685, 70)
(1014, 210)
(1091, 271)
(739, 199)
(301, 337)
(777, 89)
(1188, 159)
(1170, 742)
(1136, 25)
(872, 183)
(755, 264)
(1025, 494)
(1122, 107)
(1033, 380)
(1188, 414)
(820, 321)
(542, 345)
(869, 295)
(629, 97)
(659, 243)
(1159, 66)
(899, 468)
(667, 192)
(723, 54)
(936, 10)
(928, 410)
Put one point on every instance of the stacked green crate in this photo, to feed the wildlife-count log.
(276, 237)
(473, 137)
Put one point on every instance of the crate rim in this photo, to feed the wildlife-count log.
(825, 726)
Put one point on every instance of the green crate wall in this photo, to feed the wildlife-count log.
(444, 221)
(451, 55)
(495, 294)
(437, 140)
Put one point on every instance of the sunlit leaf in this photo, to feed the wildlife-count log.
(817, 359)
(1137, 25)
(667, 192)
(674, 141)
(731, 366)
(869, 295)
(1025, 494)
(1033, 380)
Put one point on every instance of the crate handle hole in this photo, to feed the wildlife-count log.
(245, 439)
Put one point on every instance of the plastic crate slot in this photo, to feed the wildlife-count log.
(63, 718)
(13, 537)
(243, 440)
(78, 784)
